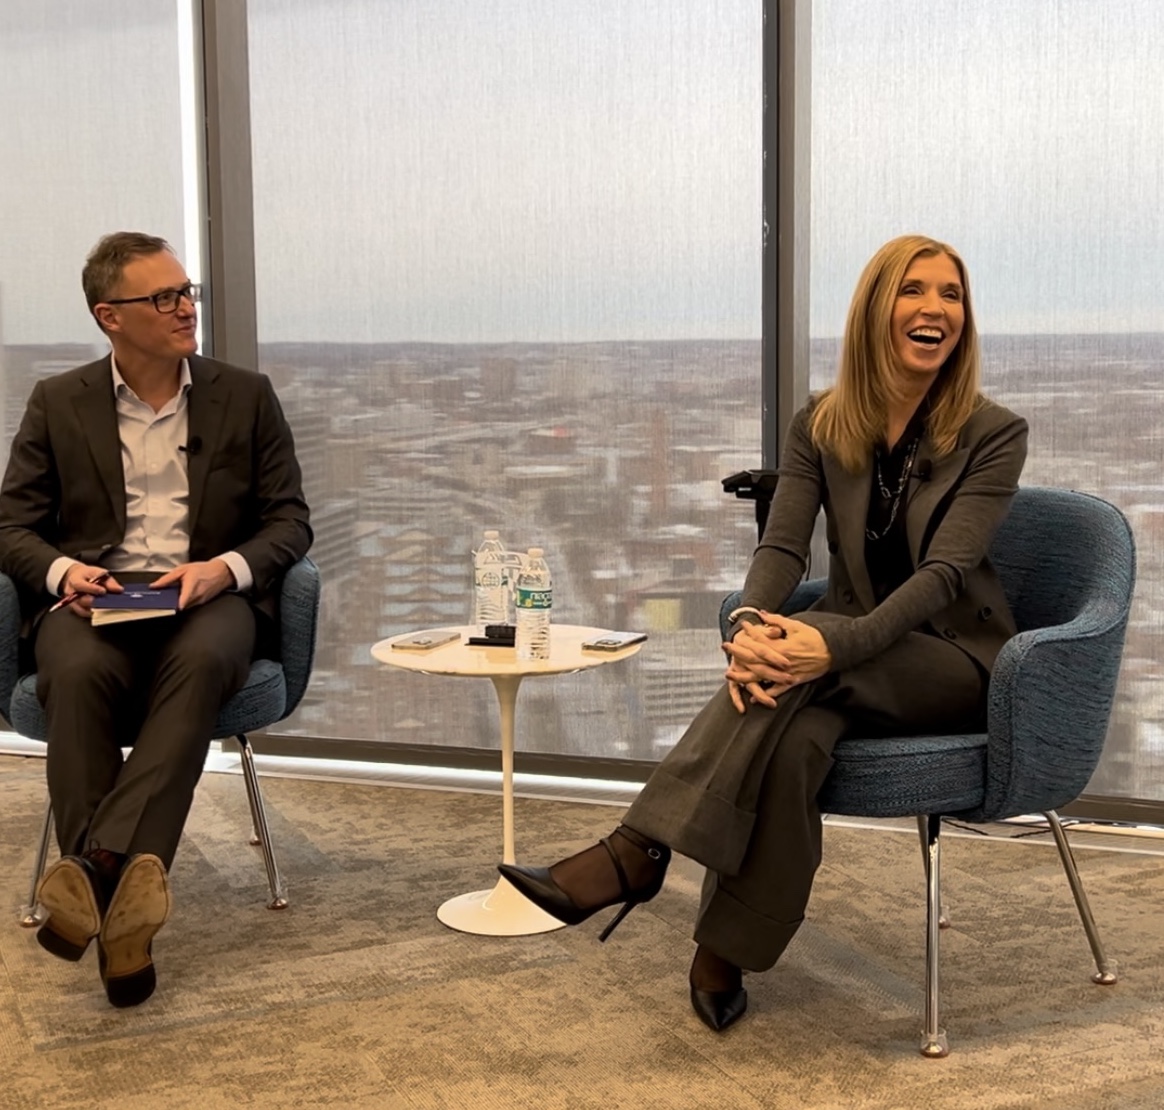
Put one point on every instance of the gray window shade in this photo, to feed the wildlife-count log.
(508, 264)
(90, 142)
(1031, 137)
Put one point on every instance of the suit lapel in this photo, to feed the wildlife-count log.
(204, 426)
(925, 496)
(849, 494)
(96, 409)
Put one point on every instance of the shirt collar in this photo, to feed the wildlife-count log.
(184, 379)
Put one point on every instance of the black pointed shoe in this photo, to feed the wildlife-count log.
(719, 1009)
(537, 884)
(140, 906)
(72, 892)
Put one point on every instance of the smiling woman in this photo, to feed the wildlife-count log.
(928, 315)
(911, 318)
(908, 558)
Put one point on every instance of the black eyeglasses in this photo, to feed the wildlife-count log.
(167, 299)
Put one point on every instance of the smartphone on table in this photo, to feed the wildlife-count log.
(425, 641)
(614, 641)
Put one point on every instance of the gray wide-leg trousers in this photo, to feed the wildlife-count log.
(738, 792)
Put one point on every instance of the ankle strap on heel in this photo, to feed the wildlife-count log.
(624, 886)
(652, 848)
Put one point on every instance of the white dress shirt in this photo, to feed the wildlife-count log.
(157, 489)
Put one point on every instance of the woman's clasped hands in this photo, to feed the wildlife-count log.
(771, 656)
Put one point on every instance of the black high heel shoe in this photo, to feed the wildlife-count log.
(537, 884)
(718, 1009)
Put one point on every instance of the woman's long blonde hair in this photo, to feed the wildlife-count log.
(850, 418)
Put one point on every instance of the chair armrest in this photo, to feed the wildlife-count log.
(1050, 700)
(805, 594)
(298, 624)
(751, 485)
(9, 642)
(754, 485)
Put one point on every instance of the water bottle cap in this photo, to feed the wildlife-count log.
(536, 552)
(491, 533)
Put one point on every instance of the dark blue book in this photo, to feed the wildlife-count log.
(135, 604)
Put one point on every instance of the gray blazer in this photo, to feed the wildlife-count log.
(64, 490)
(951, 518)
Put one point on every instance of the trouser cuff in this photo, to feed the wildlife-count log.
(702, 826)
(740, 935)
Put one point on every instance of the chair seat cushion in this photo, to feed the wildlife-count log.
(257, 705)
(906, 776)
(25, 714)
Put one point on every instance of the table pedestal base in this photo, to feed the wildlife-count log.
(500, 912)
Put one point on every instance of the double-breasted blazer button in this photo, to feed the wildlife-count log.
(848, 596)
(985, 613)
(833, 549)
(949, 633)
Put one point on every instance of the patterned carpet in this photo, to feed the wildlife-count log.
(357, 996)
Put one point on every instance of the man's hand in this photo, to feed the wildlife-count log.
(79, 585)
(200, 581)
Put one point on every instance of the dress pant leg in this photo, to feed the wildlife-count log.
(203, 659)
(702, 798)
(85, 681)
(750, 917)
(920, 685)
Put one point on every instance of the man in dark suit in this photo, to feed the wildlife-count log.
(151, 465)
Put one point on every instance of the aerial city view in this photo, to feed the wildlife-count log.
(610, 455)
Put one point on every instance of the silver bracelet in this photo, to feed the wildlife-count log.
(735, 614)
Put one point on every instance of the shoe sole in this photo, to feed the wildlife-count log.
(74, 916)
(138, 909)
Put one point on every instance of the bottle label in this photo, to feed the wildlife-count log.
(534, 599)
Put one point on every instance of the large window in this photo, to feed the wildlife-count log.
(508, 268)
(1031, 137)
(508, 265)
(95, 111)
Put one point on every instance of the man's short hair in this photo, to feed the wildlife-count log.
(109, 258)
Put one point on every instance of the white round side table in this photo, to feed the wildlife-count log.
(501, 911)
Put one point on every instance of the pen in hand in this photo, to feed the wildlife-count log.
(68, 599)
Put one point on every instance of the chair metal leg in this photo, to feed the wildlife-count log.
(933, 1041)
(1105, 970)
(31, 915)
(262, 832)
(943, 917)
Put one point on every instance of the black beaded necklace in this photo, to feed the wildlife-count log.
(902, 482)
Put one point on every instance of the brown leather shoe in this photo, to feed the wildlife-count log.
(72, 892)
(140, 906)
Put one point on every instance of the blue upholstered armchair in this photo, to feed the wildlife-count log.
(1067, 564)
(272, 691)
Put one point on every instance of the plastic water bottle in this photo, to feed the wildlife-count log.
(533, 599)
(490, 592)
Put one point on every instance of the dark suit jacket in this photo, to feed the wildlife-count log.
(64, 489)
(951, 519)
